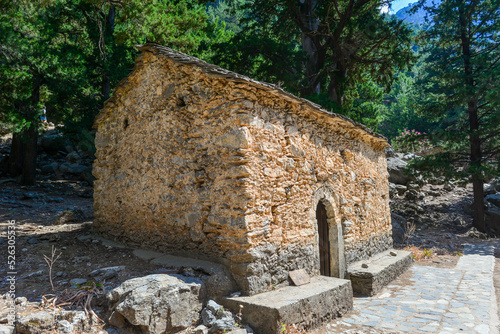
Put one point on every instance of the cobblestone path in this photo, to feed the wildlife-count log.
(434, 300)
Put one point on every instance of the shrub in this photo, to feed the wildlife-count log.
(412, 141)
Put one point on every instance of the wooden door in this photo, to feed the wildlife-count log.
(324, 240)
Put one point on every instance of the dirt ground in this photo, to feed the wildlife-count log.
(58, 213)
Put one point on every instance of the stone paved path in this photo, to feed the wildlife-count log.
(434, 300)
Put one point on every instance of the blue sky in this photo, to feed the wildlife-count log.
(398, 4)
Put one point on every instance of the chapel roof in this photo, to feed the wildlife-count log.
(308, 106)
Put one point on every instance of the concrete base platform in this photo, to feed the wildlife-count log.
(307, 306)
(382, 269)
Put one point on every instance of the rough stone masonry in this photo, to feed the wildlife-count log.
(196, 160)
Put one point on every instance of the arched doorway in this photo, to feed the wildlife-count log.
(324, 239)
(330, 241)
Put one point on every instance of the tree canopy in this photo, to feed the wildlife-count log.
(462, 78)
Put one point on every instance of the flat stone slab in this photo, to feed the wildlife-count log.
(382, 269)
(430, 299)
(307, 306)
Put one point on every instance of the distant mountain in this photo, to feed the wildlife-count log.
(415, 18)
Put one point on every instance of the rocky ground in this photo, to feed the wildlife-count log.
(433, 218)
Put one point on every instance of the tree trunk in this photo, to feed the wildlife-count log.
(30, 153)
(106, 87)
(13, 164)
(31, 134)
(336, 88)
(310, 23)
(474, 138)
(109, 31)
(23, 150)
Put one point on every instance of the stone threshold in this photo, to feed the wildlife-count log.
(370, 276)
(306, 306)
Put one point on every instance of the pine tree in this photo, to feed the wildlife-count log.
(463, 79)
(333, 45)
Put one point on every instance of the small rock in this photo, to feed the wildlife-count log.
(223, 325)
(434, 193)
(389, 152)
(78, 281)
(413, 195)
(447, 186)
(496, 183)
(401, 189)
(30, 195)
(459, 221)
(238, 331)
(393, 253)
(413, 186)
(69, 216)
(81, 259)
(33, 241)
(21, 301)
(214, 317)
(489, 189)
(50, 168)
(63, 168)
(64, 326)
(107, 273)
(73, 157)
(59, 274)
(364, 265)
(4, 329)
(493, 199)
(474, 233)
(201, 329)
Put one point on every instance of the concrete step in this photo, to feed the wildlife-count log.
(382, 269)
(307, 306)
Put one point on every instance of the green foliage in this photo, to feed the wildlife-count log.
(173, 23)
(402, 110)
(460, 85)
(328, 51)
(229, 13)
(412, 141)
(364, 103)
(461, 82)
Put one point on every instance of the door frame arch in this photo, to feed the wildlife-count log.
(337, 254)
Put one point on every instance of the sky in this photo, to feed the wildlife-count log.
(398, 4)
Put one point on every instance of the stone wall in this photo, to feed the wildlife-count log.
(294, 162)
(198, 164)
(165, 155)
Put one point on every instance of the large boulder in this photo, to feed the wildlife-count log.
(396, 169)
(156, 304)
(492, 217)
(53, 142)
(493, 199)
(496, 183)
(489, 189)
(64, 322)
(398, 228)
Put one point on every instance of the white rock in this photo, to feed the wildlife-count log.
(156, 303)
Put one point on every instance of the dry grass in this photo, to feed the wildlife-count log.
(290, 329)
(420, 254)
(81, 298)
